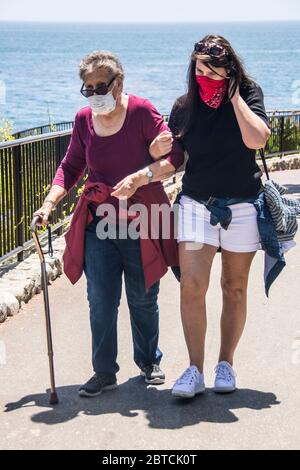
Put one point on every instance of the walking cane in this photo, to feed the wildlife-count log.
(53, 395)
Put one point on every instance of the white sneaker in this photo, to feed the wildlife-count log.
(189, 384)
(225, 378)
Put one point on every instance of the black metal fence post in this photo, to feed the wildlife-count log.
(18, 204)
(281, 141)
(58, 158)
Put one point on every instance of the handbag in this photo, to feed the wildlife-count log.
(284, 211)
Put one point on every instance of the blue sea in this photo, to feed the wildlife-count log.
(39, 63)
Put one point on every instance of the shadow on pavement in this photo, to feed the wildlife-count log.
(133, 397)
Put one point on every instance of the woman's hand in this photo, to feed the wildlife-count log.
(128, 186)
(161, 145)
(43, 213)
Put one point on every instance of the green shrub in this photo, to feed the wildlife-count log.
(6, 131)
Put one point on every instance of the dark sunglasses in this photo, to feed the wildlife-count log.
(212, 49)
(99, 90)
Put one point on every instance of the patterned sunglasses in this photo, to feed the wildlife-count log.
(212, 49)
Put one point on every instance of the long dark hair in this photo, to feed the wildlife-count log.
(230, 61)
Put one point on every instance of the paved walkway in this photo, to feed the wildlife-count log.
(263, 413)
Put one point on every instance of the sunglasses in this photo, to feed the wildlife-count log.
(212, 49)
(99, 90)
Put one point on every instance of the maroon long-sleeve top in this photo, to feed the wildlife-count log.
(110, 159)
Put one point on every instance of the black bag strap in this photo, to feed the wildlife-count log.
(262, 155)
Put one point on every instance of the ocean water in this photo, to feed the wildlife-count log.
(39, 63)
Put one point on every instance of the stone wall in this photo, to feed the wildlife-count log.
(289, 162)
(18, 285)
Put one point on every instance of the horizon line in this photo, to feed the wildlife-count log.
(149, 22)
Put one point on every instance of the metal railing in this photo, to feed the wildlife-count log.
(285, 127)
(46, 129)
(28, 165)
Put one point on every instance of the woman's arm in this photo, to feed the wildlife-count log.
(161, 169)
(153, 126)
(67, 174)
(171, 151)
(255, 132)
(161, 145)
(56, 194)
(73, 164)
(163, 142)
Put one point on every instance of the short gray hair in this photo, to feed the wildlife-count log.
(100, 59)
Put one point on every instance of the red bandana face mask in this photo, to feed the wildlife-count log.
(212, 91)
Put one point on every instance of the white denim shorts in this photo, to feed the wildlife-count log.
(242, 235)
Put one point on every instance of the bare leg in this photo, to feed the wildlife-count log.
(234, 282)
(195, 266)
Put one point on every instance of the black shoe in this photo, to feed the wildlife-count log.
(153, 374)
(98, 384)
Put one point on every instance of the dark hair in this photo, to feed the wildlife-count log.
(235, 69)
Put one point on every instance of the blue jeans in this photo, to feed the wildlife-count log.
(105, 261)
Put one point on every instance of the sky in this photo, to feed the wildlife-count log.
(149, 10)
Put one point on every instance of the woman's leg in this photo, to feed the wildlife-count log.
(143, 306)
(103, 269)
(234, 281)
(195, 266)
(239, 244)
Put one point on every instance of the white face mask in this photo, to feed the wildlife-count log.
(102, 104)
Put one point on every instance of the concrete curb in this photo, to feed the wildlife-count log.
(20, 284)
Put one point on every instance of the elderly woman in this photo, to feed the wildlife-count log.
(112, 137)
(220, 122)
